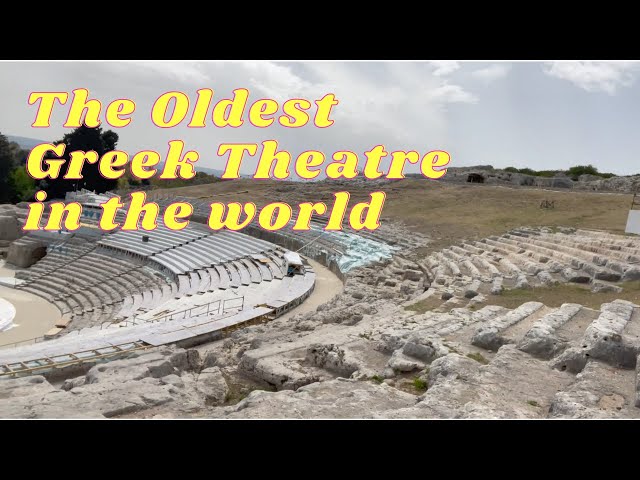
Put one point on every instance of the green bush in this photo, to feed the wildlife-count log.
(582, 170)
(573, 172)
(21, 185)
(420, 384)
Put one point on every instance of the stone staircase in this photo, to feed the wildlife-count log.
(569, 361)
(532, 361)
(530, 258)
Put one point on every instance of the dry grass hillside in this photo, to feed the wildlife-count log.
(446, 212)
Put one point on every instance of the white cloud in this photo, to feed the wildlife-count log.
(452, 94)
(594, 76)
(444, 67)
(401, 105)
(492, 72)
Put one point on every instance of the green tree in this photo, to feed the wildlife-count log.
(575, 172)
(7, 163)
(21, 185)
(85, 139)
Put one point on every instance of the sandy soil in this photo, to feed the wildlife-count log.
(327, 286)
(6, 272)
(34, 315)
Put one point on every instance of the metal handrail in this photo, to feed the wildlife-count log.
(23, 342)
(221, 308)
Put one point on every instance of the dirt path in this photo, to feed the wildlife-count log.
(327, 286)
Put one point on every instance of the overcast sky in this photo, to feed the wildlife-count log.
(543, 115)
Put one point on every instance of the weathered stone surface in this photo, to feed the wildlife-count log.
(452, 365)
(213, 386)
(575, 276)
(472, 289)
(545, 277)
(332, 358)
(401, 363)
(347, 314)
(607, 276)
(210, 360)
(185, 360)
(390, 342)
(489, 334)
(72, 383)
(603, 340)
(638, 381)
(513, 385)
(280, 372)
(413, 275)
(599, 391)
(9, 227)
(604, 287)
(106, 398)
(20, 387)
(522, 282)
(631, 274)
(153, 364)
(24, 255)
(496, 286)
(173, 380)
(7, 209)
(339, 398)
(425, 348)
(541, 340)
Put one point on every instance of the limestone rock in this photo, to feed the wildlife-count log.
(489, 335)
(603, 339)
(470, 293)
(390, 342)
(574, 276)
(596, 393)
(349, 315)
(496, 286)
(280, 372)
(24, 255)
(604, 287)
(152, 364)
(9, 228)
(631, 274)
(108, 398)
(424, 348)
(339, 398)
(413, 275)
(401, 363)
(20, 387)
(522, 282)
(173, 380)
(451, 365)
(213, 386)
(332, 358)
(72, 383)
(210, 360)
(185, 360)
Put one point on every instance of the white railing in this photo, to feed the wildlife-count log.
(216, 307)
